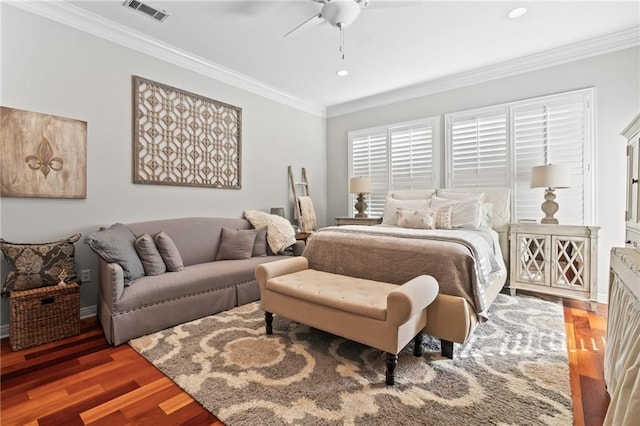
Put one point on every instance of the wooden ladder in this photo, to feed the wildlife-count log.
(304, 187)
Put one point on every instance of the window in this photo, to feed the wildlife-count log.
(498, 146)
(395, 157)
(491, 146)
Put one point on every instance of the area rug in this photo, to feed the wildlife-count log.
(514, 370)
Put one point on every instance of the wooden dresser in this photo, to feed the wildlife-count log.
(622, 355)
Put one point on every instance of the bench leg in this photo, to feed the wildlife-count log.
(417, 344)
(268, 318)
(392, 362)
(447, 348)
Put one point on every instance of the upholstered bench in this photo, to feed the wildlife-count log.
(377, 314)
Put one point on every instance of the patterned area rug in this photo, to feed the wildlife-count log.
(514, 370)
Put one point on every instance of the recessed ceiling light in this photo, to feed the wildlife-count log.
(342, 73)
(517, 12)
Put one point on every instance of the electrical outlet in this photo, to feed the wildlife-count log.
(85, 276)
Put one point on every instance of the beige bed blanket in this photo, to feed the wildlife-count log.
(462, 262)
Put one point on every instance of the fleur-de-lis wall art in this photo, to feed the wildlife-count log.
(42, 155)
(44, 160)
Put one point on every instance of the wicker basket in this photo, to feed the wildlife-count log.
(44, 315)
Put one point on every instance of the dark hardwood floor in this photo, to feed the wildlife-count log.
(83, 380)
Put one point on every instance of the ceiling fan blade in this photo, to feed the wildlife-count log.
(313, 21)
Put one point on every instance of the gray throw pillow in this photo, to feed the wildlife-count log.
(115, 245)
(149, 255)
(260, 245)
(236, 245)
(169, 252)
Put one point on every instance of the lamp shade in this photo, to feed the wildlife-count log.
(360, 185)
(550, 176)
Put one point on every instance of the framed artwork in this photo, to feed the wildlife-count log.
(42, 156)
(180, 138)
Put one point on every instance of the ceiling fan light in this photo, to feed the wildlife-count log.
(342, 73)
(517, 12)
(340, 12)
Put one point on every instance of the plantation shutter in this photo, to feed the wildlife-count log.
(552, 131)
(478, 149)
(369, 158)
(412, 165)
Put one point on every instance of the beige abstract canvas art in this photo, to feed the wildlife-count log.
(42, 155)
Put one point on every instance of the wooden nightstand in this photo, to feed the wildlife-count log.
(554, 259)
(368, 221)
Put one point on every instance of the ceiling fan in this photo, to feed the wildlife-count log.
(341, 14)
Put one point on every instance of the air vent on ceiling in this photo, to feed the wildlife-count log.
(152, 12)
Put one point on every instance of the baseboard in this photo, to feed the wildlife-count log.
(85, 312)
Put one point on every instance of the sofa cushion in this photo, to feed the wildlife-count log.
(260, 245)
(115, 245)
(149, 255)
(169, 252)
(38, 265)
(236, 244)
(193, 279)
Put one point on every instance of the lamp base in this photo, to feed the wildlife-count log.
(361, 206)
(549, 207)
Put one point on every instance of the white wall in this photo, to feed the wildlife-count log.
(616, 77)
(51, 68)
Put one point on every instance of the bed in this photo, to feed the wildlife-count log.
(469, 260)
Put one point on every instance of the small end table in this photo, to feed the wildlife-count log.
(368, 221)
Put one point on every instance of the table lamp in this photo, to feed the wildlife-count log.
(360, 185)
(552, 177)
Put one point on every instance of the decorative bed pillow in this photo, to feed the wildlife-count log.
(280, 233)
(169, 252)
(39, 264)
(116, 245)
(487, 216)
(236, 245)
(464, 214)
(391, 206)
(416, 219)
(442, 217)
(152, 262)
(260, 246)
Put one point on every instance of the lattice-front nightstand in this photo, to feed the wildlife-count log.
(358, 221)
(554, 259)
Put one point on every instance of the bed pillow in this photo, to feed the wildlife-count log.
(416, 219)
(169, 252)
(391, 206)
(236, 244)
(260, 245)
(39, 265)
(464, 214)
(280, 233)
(460, 196)
(487, 216)
(149, 255)
(115, 245)
(442, 217)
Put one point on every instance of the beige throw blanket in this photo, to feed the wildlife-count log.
(307, 220)
(395, 255)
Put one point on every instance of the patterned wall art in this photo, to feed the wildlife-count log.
(181, 138)
(42, 156)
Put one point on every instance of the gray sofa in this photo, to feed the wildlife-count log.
(204, 287)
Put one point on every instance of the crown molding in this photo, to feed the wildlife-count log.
(557, 56)
(80, 19)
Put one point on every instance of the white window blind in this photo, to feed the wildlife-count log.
(394, 157)
(498, 146)
(478, 149)
(552, 131)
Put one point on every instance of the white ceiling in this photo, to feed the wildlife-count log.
(401, 44)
